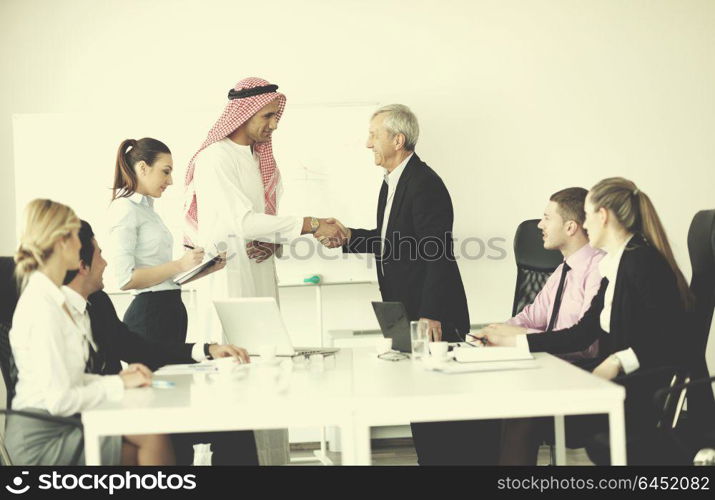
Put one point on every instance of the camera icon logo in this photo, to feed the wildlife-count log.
(18, 489)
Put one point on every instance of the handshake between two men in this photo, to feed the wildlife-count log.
(329, 232)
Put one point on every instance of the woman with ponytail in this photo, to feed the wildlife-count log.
(51, 354)
(637, 313)
(142, 244)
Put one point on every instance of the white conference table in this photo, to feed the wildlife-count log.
(357, 391)
(312, 398)
(393, 393)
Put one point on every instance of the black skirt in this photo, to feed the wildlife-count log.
(159, 317)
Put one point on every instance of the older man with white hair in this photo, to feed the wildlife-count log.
(416, 266)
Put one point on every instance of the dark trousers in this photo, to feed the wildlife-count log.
(463, 442)
(229, 448)
(477, 442)
(159, 317)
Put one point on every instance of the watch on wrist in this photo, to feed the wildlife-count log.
(314, 224)
(207, 351)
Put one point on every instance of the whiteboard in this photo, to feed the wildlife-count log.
(320, 150)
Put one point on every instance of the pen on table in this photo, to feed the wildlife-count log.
(483, 340)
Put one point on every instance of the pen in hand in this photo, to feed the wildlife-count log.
(482, 340)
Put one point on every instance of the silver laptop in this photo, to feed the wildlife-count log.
(254, 322)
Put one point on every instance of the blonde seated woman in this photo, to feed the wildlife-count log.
(51, 353)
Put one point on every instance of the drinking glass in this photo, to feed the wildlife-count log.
(419, 335)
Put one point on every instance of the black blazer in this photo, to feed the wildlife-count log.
(419, 265)
(116, 342)
(647, 314)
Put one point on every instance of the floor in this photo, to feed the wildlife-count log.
(401, 452)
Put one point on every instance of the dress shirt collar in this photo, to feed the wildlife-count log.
(40, 280)
(75, 300)
(141, 199)
(580, 258)
(609, 264)
(392, 178)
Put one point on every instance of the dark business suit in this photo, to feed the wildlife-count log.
(116, 342)
(647, 315)
(419, 266)
(420, 271)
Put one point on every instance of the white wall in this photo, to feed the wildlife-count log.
(516, 98)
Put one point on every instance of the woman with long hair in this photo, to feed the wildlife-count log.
(52, 355)
(142, 244)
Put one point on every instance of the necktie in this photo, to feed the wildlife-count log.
(557, 300)
(94, 360)
(93, 364)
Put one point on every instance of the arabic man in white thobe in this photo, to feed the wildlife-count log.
(232, 192)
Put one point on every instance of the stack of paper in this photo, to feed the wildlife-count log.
(187, 369)
(488, 366)
(482, 354)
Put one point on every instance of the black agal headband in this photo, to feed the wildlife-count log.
(240, 94)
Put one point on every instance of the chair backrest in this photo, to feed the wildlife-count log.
(701, 247)
(7, 363)
(534, 264)
(8, 301)
(8, 289)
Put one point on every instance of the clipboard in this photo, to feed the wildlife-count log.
(186, 276)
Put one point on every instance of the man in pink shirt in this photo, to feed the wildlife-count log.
(562, 302)
(568, 293)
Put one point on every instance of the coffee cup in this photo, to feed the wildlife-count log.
(438, 349)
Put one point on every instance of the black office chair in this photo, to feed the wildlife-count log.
(694, 428)
(701, 247)
(7, 362)
(678, 435)
(688, 440)
(647, 435)
(8, 290)
(534, 264)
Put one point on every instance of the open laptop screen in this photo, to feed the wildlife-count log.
(394, 324)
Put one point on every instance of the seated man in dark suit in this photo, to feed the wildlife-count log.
(111, 341)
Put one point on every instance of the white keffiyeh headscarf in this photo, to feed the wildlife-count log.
(242, 105)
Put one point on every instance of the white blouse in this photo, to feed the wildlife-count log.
(609, 269)
(138, 238)
(49, 351)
